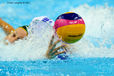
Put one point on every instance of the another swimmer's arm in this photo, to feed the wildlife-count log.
(50, 44)
(53, 53)
(51, 41)
(64, 49)
(6, 27)
(61, 52)
(56, 49)
(54, 45)
(49, 53)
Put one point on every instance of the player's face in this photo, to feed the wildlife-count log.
(18, 34)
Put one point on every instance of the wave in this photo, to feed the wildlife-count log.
(98, 39)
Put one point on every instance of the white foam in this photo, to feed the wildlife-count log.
(99, 25)
(32, 47)
(98, 20)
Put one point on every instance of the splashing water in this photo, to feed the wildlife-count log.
(98, 38)
(97, 41)
(32, 47)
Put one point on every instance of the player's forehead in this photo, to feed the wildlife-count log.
(21, 32)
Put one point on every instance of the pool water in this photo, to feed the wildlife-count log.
(93, 55)
(69, 67)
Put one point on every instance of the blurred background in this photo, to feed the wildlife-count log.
(18, 14)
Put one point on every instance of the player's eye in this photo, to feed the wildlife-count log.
(14, 35)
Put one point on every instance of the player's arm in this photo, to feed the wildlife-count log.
(6, 27)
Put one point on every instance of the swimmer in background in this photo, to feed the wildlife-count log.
(21, 32)
(13, 34)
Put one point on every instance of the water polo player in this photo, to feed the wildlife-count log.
(21, 32)
(12, 34)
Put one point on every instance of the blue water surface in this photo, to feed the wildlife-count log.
(69, 67)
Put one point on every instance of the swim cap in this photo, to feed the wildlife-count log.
(25, 27)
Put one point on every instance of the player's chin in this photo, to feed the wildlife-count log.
(9, 39)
